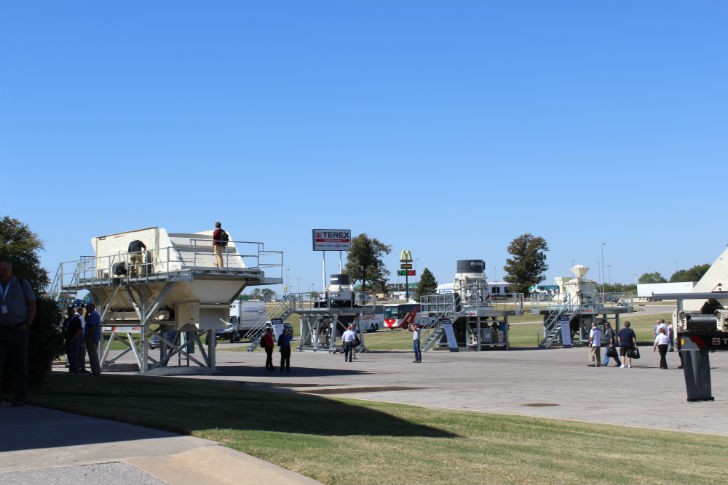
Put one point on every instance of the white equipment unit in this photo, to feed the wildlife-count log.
(176, 293)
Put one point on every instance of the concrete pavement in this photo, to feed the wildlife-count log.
(40, 446)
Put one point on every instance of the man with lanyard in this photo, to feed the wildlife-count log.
(17, 312)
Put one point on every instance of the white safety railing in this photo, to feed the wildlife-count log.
(158, 263)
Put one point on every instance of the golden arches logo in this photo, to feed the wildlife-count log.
(405, 256)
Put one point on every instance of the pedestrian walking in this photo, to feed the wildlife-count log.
(348, 339)
(595, 345)
(610, 341)
(661, 343)
(268, 342)
(627, 341)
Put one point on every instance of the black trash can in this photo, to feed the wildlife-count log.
(696, 366)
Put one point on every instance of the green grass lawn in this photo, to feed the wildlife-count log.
(343, 441)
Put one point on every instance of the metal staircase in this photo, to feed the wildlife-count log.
(283, 310)
(552, 326)
(57, 290)
(434, 338)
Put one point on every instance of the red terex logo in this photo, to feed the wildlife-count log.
(328, 236)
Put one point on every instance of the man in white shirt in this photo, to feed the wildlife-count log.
(416, 329)
(348, 338)
(595, 345)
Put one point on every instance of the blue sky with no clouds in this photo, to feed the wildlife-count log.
(445, 128)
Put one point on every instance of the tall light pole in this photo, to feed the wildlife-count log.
(603, 244)
(288, 281)
(609, 280)
(298, 280)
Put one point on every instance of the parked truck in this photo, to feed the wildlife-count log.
(244, 316)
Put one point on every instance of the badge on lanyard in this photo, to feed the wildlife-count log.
(4, 294)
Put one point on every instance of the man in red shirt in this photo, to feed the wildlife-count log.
(218, 244)
(268, 343)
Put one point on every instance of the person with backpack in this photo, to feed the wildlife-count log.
(220, 240)
(268, 343)
(17, 311)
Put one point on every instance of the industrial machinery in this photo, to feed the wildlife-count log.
(568, 315)
(329, 317)
(700, 322)
(477, 321)
(176, 293)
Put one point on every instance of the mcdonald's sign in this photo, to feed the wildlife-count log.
(405, 256)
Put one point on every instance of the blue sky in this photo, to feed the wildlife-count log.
(446, 128)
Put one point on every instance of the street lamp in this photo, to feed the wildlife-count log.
(298, 281)
(288, 281)
(609, 280)
(603, 244)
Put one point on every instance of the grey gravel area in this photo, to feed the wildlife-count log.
(100, 473)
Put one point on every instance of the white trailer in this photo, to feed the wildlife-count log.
(245, 315)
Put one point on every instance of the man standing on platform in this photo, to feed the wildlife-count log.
(219, 243)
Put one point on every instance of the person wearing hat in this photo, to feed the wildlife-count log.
(284, 347)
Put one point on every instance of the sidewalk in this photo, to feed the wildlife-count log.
(41, 446)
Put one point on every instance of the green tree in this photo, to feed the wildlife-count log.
(528, 264)
(267, 294)
(21, 245)
(619, 288)
(427, 284)
(692, 274)
(654, 277)
(364, 261)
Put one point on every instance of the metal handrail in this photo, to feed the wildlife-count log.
(165, 260)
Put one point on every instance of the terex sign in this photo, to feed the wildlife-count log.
(331, 239)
